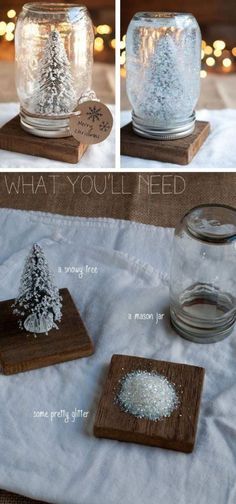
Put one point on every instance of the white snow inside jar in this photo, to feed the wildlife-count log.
(163, 62)
(54, 59)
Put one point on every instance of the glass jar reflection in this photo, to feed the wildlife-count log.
(163, 52)
(54, 58)
(203, 273)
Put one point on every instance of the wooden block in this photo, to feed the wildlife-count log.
(21, 351)
(180, 151)
(178, 432)
(14, 138)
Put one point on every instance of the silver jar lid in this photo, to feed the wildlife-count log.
(162, 131)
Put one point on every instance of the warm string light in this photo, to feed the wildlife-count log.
(226, 62)
(11, 13)
(102, 33)
(217, 53)
(203, 74)
(102, 38)
(3, 26)
(7, 28)
(208, 50)
(210, 61)
(219, 44)
(103, 29)
(215, 56)
(98, 44)
(9, 36)
(10, 27)
(123, 56)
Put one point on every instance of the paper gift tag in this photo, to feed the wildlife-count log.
(91, 122)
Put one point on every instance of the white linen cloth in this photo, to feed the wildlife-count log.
(218, 151)
(64, 463)
(101, 155)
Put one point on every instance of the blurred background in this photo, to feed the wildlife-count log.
(217, 20)
(103, 16)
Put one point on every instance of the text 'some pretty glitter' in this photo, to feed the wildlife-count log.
(147, 395)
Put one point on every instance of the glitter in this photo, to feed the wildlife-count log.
(147, 395)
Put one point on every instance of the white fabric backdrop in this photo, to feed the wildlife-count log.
(218, 151)
(64, 463)
(101, 155)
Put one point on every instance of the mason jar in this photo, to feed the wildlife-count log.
(163, 65)
(203, 273)
(54, 59)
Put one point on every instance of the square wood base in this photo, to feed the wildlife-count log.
(21, 351)
(13, 138)
(180, 151)
(178, 432)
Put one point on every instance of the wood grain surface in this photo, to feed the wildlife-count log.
(13, 138)
(180, 151)
(10, 498)
(21, 351)
(178, 432)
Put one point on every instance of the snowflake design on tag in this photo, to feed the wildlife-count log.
(104, 126)
(94, 114)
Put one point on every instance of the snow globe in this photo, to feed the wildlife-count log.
(163, 65)
(54, 59)
(203, 271)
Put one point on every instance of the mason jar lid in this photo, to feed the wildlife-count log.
(212, 223)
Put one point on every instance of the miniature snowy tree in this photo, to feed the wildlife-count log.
(38, 304)
(169, 89)
(55, 92)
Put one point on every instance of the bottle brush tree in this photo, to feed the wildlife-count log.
(38, 304)
(55, 92)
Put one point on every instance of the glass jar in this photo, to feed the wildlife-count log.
(54, 58)
(203, 273)
(163, 65)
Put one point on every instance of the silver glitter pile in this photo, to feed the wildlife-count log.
(147, 395)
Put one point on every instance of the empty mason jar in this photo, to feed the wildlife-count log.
(203, 273)
(54, 58)
(163, 73)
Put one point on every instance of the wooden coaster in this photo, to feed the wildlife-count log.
(180, 151)
(21, 351)
(178, 432)
(13, 138)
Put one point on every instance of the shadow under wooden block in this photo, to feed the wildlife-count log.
(13, 138)
(180, 151)
(177, 432)
(21, 351)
